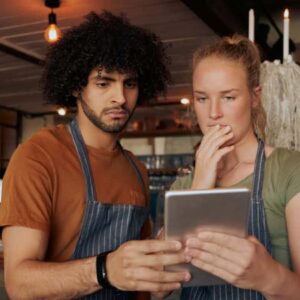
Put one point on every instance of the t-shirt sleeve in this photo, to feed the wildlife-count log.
(182, 182)
(27, 188)
(292, 170)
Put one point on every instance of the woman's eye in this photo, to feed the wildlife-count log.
(229, 98)
(201, 99)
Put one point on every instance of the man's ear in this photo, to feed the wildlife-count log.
(76, 94)
(256, 97)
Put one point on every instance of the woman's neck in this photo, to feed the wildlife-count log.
(244, 151)
(240, 162)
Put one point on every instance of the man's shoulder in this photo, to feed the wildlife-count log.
(41, 146)
(48, 137)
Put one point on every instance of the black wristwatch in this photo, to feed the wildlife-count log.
(101, 270)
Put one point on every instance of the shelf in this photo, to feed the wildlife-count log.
(160, 133)
(162, 172)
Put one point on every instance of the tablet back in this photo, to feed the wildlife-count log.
(220, 210)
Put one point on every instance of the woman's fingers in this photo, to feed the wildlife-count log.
(212, 143)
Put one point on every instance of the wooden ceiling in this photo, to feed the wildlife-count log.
(22, 24)
(185, 25)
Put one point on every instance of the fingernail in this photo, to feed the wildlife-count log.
(177, 286)
(177, 245)
(188, 258)
(187, 277)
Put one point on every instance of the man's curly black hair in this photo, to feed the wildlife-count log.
(109, 42)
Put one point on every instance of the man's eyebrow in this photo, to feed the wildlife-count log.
(132, 78)
(109, 78)
(103, 77)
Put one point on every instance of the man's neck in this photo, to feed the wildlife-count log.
(95, 137)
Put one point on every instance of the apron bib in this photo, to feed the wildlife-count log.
(257, 226)
(105, 226)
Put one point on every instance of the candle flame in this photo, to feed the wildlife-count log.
(286, 13)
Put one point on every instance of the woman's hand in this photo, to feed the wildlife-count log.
(209, 155)
(243, 262)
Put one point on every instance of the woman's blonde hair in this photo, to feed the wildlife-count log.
(240, 49)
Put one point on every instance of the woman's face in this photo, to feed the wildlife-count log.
(222, 96)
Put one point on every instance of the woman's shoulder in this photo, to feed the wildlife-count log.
(284, 157)
(283, 169)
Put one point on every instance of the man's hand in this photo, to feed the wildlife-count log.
(138, 266)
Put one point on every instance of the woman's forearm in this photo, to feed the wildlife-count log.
(283, 285)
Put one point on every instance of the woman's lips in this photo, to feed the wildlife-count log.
(213, 125)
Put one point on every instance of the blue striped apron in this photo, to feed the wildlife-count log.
(257, 226)
(105, 226)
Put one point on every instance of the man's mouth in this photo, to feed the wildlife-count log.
(117, 113)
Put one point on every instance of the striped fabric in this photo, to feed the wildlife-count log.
(105, 226)
(257, 227)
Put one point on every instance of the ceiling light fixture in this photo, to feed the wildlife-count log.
(61, 111)
(52, 33)
(185, 101)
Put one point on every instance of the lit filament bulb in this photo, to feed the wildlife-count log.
(52, 32)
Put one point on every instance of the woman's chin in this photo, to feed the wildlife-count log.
(231, 142)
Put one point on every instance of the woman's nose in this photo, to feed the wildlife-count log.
(215, 111)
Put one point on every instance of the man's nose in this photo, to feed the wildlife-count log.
(119, 95)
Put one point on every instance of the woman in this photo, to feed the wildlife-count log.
(266, 264)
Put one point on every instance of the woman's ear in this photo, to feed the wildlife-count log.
(256, 97)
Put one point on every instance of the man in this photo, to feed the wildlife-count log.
(74, 202)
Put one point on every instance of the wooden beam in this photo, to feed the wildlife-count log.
(207, 15)
(20, 52)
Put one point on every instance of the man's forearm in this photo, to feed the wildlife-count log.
(43, 280)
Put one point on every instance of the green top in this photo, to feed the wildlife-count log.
(281, 183)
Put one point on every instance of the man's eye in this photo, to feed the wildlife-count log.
(131, 84)
(102, 84)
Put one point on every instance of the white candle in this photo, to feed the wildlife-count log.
(251, 25)
(286, 29)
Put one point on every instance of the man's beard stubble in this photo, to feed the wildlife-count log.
(117, 127)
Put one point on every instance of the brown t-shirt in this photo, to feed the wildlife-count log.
(44, 187)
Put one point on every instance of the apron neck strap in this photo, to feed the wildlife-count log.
(258, 176)
(84, 161)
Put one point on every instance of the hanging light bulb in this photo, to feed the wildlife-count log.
(52, 32)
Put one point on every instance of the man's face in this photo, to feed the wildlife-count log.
(109, 99)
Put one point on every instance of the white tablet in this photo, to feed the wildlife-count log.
(221, 210)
